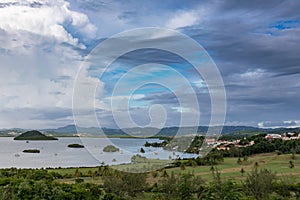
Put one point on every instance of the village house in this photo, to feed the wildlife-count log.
(273, 136)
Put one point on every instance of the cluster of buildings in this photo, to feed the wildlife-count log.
(225, 145)
(285, 136)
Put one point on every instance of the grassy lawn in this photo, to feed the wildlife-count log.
(64, 171)
(95, 180)
(143, 165)
(228, 169)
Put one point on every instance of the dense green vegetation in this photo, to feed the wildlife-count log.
(263, 145)
(40, 184)
(110, 148)
(182, 144)
(194, 182)
(75, 146)
(34, 135)
(156, 144)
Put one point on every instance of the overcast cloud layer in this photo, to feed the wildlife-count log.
(255, 45)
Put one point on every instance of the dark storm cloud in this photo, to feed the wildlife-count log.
(257, 55)
(150, 55)
(255, 45)
(243, 36)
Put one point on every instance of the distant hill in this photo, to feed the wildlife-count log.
(34, 135)
(202, 130)
(71, 130)
(167, 131)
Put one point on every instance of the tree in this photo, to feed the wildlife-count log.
(259, 184)
(180, 187)
(164, 174)
(57, 193)
(182, 166)
(90, 173)
(7, 193)
(218, 189)
(214, 157)
(293, 157)
(286, 187)
(242, 171)
(105, 171)
(198, 185)
(169, 186)
(291, 164)
(77, 173)
(25, 191)
(125, 184)
(239, 161)
(185, 187)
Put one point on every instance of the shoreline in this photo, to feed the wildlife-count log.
(92, 136)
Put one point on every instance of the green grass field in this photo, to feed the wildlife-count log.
(229, 169)
(141, 165)
(64, 171)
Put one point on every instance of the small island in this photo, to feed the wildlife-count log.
(31, 151)
(75, 146)
(110, 148)
(34, 135)
(156, 144)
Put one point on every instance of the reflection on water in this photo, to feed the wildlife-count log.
(56, 153)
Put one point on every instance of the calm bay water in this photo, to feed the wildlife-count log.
(57, 154)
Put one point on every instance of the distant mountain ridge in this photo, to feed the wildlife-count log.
(167, 131)
(71, 130)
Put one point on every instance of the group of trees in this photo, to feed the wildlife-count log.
(185, 144)
(41, 184)
(262, 145)
(125, 184)
(259, 184)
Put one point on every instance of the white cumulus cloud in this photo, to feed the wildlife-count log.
(40, 53)
(50, 19)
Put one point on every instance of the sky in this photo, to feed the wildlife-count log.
(45, 43)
